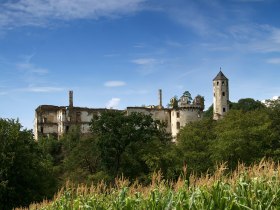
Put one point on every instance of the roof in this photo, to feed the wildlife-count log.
(220, 76)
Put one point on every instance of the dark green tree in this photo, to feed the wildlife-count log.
(273, 149)
(247, 104)
(130, 144)
(193, 145)
(209, 112)
(188, 95)
(25, 174)
(241, 136)
(81, 157)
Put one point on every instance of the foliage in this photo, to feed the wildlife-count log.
(188, 96)
(193, 145)
(173, 102)
(254, 187)
(25, 173)
(273, 147)
(209, 112)
(247, 104)
(246, 135)
(81, 157)
(130, 144)
(240, 136)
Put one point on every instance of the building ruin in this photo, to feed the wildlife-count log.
(57, 120)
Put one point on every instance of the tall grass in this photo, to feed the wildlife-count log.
(254, 187)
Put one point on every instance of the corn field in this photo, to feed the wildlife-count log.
(256, 187)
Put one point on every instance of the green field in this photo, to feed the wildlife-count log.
(254, 187)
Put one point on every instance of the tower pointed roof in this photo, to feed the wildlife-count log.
(220, 76)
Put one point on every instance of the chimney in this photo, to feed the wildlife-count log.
(71, 98)
(160, 98)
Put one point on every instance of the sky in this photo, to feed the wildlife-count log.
(118, 53)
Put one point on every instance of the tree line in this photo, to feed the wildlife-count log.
(133, 146)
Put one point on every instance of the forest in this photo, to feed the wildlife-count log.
(135, 147)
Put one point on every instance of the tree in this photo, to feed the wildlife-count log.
(188, 95)
(273, 147)
(129, 143)
(247, 104)
(209, 112)
(193, 145)
(25, 174)
(173, 102)
(81, 157)
(241, 136)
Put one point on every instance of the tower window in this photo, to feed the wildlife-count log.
(224, 109)
(224, 94)
(223, 82)
(214, 94)
(217, 83)
(178, 125)
(178, 114)
(42, 129)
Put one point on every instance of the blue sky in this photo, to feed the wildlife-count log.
(118, 53)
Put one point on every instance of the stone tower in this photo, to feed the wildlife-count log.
(221, 96)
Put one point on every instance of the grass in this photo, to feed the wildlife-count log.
(256, 187)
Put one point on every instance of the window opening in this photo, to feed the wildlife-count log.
(178, 125)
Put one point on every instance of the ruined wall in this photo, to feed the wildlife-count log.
(182, 116)
(158, 114)
(56, 121)
(46, 121)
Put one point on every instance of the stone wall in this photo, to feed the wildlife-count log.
(182, 116)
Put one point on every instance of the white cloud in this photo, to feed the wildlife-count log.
(29, 67)
(144, 61)
(147, 65)
(40, 12)
(114, 84)
(273, 61)
(32, 68)
(41, 89)
(113, 103)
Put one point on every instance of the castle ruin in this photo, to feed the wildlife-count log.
(57, 120)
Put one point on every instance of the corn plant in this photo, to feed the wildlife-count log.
(256, 187)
